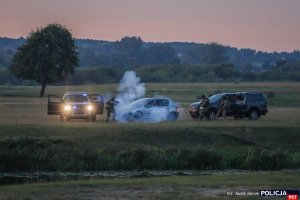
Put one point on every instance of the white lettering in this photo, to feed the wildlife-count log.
(272, 193)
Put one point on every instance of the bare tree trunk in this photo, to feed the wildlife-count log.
(43, 88)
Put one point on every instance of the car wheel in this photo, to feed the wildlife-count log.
(253, 115)
(172, 116)
(212, 115)
(64, 118)
(238, 117)
(195, 117)
(93, 118)
(138, 116)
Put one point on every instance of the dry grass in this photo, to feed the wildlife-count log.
(24, 115)
(33, 110)
(196, 187)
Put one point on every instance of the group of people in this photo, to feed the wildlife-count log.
(222, 111)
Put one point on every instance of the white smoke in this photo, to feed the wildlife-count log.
(158, 115)
(130, 89)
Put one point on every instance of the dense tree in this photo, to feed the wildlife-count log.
(246, 67)
(48, 56)
(128, 48)
(160, 54)
(132, 51)
(225, 71)
(194, 54)
(266, 65)
(246, 54)
(215, 54)
(129, 45)
(281, 62)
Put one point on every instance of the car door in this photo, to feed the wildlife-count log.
(163, 104)
(164, 109)
(98, 101)
(240, 104)
(149, 107)
(230, 104)
(54, 104)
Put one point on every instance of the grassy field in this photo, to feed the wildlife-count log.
(181, 188)
(285, 93)
(32, 141)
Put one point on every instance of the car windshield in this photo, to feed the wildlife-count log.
(76, 98)
(139, 102)
(214, 98)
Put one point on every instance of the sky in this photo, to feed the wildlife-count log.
(266, 25)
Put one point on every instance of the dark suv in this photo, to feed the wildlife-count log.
(76, 105)
(240, 104)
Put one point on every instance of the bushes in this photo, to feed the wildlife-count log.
(164, 73)
(56, 155)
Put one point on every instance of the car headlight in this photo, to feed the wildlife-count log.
(89, 107)
(67, 107)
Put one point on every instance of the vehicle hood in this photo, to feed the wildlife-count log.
(77, 103)
(195, 104)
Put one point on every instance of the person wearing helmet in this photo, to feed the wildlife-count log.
(222, 111)
(110, 109)
(203, 107)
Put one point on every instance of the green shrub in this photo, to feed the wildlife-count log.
(27, 154)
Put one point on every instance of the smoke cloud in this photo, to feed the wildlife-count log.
(131, 89)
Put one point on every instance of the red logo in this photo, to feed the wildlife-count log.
(292, 197)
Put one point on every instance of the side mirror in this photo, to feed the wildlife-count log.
(147, 106)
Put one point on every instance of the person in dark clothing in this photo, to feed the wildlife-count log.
(110, 109)
(222, 111)
(204, 104)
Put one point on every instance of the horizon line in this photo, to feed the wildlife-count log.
(173, 41)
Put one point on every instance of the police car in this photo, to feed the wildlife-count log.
(76, 105)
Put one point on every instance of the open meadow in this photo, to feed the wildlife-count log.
(176, 187)
(30, 141)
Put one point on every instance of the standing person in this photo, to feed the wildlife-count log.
(204, 104)
(110, 109)
(223, 107)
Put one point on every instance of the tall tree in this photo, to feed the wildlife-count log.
(49, 55)
(161, 54)
(215, 54)
(129, 45)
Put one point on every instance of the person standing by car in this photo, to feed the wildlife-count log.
(203, 106)
(223, 107)
(110, 109)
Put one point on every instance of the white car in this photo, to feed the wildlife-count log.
(149, 109)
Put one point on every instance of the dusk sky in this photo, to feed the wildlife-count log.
(267, 25)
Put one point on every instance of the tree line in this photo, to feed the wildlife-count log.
(50, 55)
(133, 51)
(290, 71)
